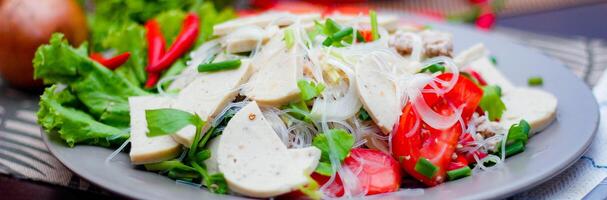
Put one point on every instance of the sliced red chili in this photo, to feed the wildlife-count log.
(184, 41)
(156, 46)
(111, 63)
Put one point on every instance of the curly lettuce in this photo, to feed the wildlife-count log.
(73, 125)
(104, 93)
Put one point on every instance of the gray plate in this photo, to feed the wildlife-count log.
(547, 154)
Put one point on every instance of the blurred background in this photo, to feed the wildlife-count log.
(572, 31)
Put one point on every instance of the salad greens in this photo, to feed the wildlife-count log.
(73, 125)
(343, 142)
(102, 94)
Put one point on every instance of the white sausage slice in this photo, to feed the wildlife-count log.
(146, 149)
(253, 159)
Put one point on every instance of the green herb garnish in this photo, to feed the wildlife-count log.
(492, 103)
(289, 38)
(363, 115)
(459, 173)
(309, 90)
(218, 66)
(167, 121)
(426, 168)
(343, 142)
(535, 81)
(433, 68)
(374, 28)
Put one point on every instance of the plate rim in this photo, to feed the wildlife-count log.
(504, 192)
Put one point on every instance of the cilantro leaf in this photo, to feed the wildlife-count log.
(343, 142)
(309, 90)
(492, 102)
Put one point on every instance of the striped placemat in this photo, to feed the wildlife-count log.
(449, 7)
(24, 155)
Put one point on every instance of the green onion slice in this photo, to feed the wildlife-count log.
(426, 168)
(535, 81)
(515, 148)
(374, 29)
(218, 66)
(459, 173)
(289, 38)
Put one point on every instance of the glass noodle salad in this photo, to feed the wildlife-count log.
(296, 106)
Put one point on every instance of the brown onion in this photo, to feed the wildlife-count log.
(25, 25)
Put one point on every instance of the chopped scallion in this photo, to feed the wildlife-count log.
(535, 81)
(433, 68)
(459, 173)
(363, 115)
(218, 66)
(515, 148)
(426, 168)
(374, 28)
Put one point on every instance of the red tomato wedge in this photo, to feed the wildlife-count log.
(377, 173)
(413, 139)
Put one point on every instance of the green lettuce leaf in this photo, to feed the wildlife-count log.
(129, 38)
(104, 93)
(75, 126)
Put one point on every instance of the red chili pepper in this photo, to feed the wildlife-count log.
(111, 63)
(185, 40)
(156, 45)
(478, 77)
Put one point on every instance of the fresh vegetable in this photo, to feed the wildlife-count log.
(409, 145)
(309, 89)
(518, 134)
(129, 37)
(111, 63)
(363, 115)
(377, 172)
(102, 92)
(433, 69)
(459, 173)
(535, 81)
(168, 121)
(374, 28)
(343, 142)
(492, 102)
(218, 66)
(28, 24)
(478, 77)
(156, 44)
(75, 126)
(289, 38)
(186, 39)
(425, 167)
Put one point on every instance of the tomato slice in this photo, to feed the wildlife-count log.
(465, 92)
(413, 139)
(377, 172)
